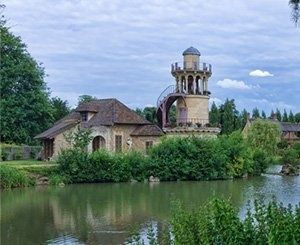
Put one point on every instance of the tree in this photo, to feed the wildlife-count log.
(25, 105)
(278, 115)
(297, 117)
(291, 117)
(80, 138)
(229, 117)
(272, 114)
(255, 113)
(295, 6)
(60, 108)
(264, 135)
(85, 98)
(285, 116)
(263, 115)
(150, 114)
(244, 118)
(214, 115)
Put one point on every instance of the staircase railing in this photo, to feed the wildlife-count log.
(168, 90)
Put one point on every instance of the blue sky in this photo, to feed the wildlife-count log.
(124, 48)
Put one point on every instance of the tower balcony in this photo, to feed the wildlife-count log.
(196, 67)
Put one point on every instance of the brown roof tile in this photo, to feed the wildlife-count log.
(147, 130)
(107, 112)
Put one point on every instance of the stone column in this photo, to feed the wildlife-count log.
(206, 84)
(202, 85)
(194, 84)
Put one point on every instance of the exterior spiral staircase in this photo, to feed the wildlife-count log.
(164, 103)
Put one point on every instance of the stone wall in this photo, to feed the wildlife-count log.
(197, 107)
(139, 142)
(60, 142)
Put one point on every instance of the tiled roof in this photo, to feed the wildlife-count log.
(57, 129)
(290, 127)
(107, 112)
(147, 130)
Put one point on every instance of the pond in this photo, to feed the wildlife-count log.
(107, 213)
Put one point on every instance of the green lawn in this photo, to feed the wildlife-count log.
(32, 166)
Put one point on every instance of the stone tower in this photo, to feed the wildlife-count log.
(191, 95)
(192, 80)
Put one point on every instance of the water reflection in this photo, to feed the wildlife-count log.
(106, 213)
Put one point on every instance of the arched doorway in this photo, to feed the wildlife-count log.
(98, 143)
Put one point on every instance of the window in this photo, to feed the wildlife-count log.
(149, 144)
(84, 116)
(118, 143)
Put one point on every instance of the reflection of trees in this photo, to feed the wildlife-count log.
(104, 213)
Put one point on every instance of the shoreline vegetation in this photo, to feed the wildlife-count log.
(174, 159)
(218, 222)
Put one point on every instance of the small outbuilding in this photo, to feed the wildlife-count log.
(113, 126)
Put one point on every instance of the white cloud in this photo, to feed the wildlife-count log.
(216, 100)
(260, 73)
(234, 84)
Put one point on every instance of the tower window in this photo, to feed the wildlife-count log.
(118, 143)
(84, 116)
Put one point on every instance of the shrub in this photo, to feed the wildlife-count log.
(290, 156)
(138, 164)
(260, 162)
(217, 222)
(11, 177)
(57, 180)
(73, 164)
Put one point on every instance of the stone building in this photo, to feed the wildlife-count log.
(114, 127)
(191, 95)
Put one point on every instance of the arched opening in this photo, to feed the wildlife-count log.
(198, 89)
(98, 143)
(190, 85)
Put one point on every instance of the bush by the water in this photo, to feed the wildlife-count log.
(191, 158)
(11, 177)
(218, 222)
(102, 166)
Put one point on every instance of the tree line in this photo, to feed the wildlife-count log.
(230, 119)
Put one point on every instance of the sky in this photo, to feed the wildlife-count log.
(124, 48)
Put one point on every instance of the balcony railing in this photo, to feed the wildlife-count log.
(205, 67)
(198, 122)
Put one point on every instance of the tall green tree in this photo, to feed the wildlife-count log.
(244, 118)
(263, 115)
(25, 105)
(297, 117)
(278, 115)
(60, 108)
(285, 116)
(291, 117)
(150, 114)
(255, 113)
(229, 117)
(214, 115)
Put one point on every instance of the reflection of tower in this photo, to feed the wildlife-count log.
(191, 92)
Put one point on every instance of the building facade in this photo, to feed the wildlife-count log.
(113, 126)
(117, 128)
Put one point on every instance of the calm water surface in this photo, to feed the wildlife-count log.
(106, 213)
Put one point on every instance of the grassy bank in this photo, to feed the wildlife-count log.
(22, 173)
